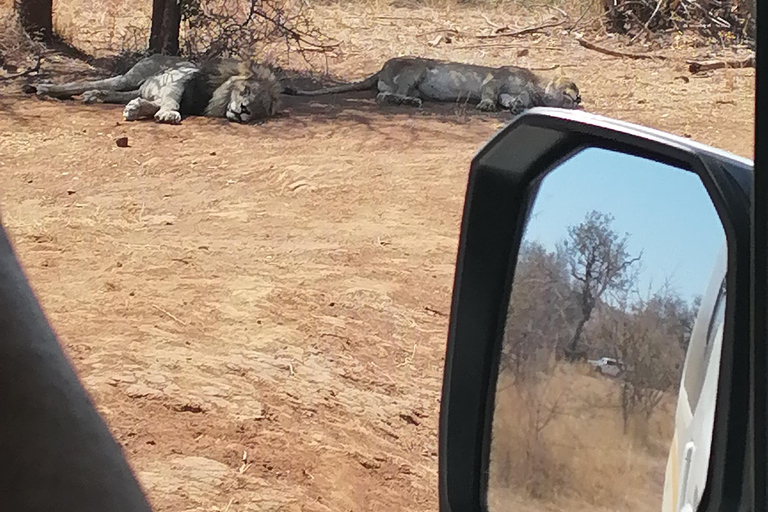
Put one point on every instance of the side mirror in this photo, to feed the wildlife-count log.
(594, 357)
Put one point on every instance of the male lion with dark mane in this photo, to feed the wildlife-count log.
(166, 87)
(409, 80)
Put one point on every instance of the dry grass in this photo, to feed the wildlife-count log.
(560, 440)
(336, 280)
(114, 26)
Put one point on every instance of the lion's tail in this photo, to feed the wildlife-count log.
(363, 85)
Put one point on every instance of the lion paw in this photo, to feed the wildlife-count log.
(132, 110)
(384, 98)
(42, 89)
(516, 108)
(487, 105)
(412, 102)
(168, 116)
(388, 98)
(93, 96)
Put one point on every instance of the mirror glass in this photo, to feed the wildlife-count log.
(618, 299)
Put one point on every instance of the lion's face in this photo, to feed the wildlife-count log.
(251, 100)
(562, 92)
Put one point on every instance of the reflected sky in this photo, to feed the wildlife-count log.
(666, 211)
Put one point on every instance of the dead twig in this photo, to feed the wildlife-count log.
(489, 22)
(246, 464)
(653, 14)
(409, 359)
(699, 66)
(169, 315)
(547, 5)
(548, 68)
(585, 10)
(502, 31)
(561, 11)
(504, 45)
(443, 31)
(615, 53)
(644, 28)
(436, 41)
(402, 18)
(29, 71)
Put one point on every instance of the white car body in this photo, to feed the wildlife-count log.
(606, 366)
(688, 460)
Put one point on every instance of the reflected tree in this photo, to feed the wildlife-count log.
(583, 288)
(599, 262)
(647, 338)
(542, 311)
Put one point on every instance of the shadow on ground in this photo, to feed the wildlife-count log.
(359, 107)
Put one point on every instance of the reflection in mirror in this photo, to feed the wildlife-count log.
(615, 265)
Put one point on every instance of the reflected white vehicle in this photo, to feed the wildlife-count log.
(607, 366)
(688, 460)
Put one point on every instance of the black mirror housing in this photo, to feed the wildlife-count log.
(503, 179)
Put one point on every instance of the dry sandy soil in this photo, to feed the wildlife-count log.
(260, 312)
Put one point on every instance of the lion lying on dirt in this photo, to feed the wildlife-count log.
(166, 88)
(409, 80)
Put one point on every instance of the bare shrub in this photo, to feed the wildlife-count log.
(118, 35)
(246, 28)
(648, 341)
(523, 459)
(721, 19)
(542, 312)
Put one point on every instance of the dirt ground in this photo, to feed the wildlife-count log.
(260, 312)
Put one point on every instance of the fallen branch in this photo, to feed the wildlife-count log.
(698, 66)
(615, 53)
(29, 71)
(502, 31)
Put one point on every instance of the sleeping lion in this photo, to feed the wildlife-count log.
(410, 80)
(168, 88)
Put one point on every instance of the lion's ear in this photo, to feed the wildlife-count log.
(245, 67)
(242, 68)
(256, 67)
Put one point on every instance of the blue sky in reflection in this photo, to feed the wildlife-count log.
(666, 211)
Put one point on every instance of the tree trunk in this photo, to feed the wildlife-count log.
(36, 17)
(626, 405)
(156, 30)
(166, 20)
(571, 351)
